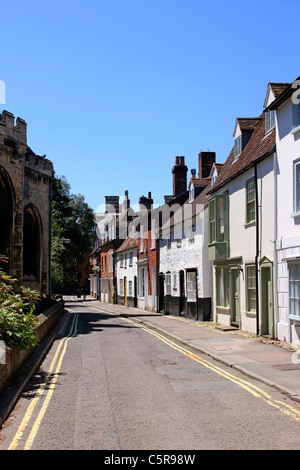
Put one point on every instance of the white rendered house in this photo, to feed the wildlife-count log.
(242, 219)
(286, 111)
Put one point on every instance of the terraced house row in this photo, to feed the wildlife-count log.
(225, 246)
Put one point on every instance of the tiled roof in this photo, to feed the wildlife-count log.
(128, 244)
(247, 123)
(259, 146)
(285, 94)
(200, 182)
(278, 88)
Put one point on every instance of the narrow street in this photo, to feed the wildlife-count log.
(113, 384)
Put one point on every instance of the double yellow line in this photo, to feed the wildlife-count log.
(51, 379)
(50, 382)
(248, 386)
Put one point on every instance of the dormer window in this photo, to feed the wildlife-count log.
(270, 121)
(237, 146)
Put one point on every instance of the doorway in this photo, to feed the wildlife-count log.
(235, 298)
(181, 293)
(267, 323)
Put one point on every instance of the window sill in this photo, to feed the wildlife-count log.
(295, 130)
(250, 224)
(294, 215)
(294, 317)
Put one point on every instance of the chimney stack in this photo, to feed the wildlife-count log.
(145, 203)
(206, 161)
(112, 204)
(179, 172)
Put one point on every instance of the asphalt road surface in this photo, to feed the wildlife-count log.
(111, 384)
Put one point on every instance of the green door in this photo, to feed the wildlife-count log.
(267, 323)
(235, 297)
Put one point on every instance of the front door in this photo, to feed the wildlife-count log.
(181, 292)
(235, 297)
(267, 325)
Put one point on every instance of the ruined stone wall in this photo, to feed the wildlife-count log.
(27, 177)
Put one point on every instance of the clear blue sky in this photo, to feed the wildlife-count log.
(113, 90)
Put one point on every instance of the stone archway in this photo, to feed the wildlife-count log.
(6, 218)
(32, 232)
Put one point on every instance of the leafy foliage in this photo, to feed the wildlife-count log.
(73, 220)
(17, 320)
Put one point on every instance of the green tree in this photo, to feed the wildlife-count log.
(72, 220)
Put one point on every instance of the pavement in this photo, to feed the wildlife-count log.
(274, 363)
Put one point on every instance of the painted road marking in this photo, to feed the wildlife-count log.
(49, 378)
(245, 384)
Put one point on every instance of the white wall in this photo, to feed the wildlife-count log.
(184, 255)
(288, 226)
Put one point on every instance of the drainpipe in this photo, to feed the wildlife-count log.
(275, 300)
(257, 250)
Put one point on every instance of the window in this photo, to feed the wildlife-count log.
(296, 115)
(125, 260)
(222, 278)
(237, 147)
(294, 289)
(270, 120)
(131, 259)
(191, 286)
(142, 239)
(130, 288)
(251, 288)
(152, 233)
(142, 282)
(212, 221)
(250, 201)
(297, 186)
(122, 287)
(218, 219)
(122, 261)
(168, 284)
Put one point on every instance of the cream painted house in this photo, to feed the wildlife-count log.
(286, 112)
(242, 227)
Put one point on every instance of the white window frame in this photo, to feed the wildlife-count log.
(168, 284)
(191, 286)
(237, 147)
(130, 288)
(270, 121)
(122, 287)
(250, 192)
(222, 286)
(250, 287)
(294, 290)
(296, 184)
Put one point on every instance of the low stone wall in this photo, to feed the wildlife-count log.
(13, 358)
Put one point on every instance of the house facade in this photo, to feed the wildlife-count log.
(286, 111)
(185, 271)
(242, 227)
(126, 257)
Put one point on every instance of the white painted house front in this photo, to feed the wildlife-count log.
(126, 272)
(185, 271)
(286, 110)
(242, 219)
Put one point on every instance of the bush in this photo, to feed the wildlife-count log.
(17, 321)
